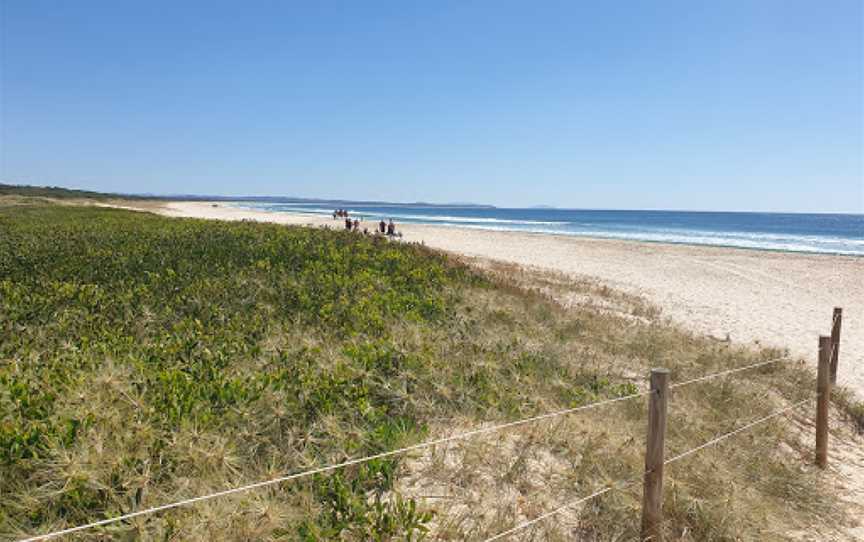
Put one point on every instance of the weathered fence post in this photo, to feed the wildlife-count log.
(823, 389)
(835, 342)
(652, 491)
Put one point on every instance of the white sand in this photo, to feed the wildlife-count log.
(773, 298)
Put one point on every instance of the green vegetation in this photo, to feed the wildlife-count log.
(144, 360)
(50, 192)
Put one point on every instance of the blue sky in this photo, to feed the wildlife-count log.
(740, 105)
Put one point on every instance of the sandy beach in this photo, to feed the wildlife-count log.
(750, 296)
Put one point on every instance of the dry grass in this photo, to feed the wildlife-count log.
(757, 485)
(851, 406)
(501, 346)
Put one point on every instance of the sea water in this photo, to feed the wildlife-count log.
(816, 233)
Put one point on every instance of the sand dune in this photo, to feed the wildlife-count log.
(773, 298)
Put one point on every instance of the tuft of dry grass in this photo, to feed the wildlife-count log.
(850, 406)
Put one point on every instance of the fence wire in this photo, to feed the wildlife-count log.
(622, 485)
(443, 440)
(728, 372)
(333, 467)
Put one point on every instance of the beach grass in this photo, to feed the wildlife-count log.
(144, 360)
(850, 405)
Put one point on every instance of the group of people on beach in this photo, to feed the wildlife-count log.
(386, 228)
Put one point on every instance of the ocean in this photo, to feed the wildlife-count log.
(814, 233)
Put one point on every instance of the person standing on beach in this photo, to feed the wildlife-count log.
(382, 226)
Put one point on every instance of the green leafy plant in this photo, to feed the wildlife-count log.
(145, 359)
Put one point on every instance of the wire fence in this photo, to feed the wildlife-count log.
(828, 357)
(729, 372)
(328, 468)
(571, 504)
(734, 432)
(631, 481)
(467, 435)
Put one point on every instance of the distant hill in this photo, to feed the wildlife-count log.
(68, 193)
(58, 192)
(337, 202)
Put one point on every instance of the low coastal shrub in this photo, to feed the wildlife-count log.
(145, 359)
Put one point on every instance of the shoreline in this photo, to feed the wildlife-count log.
(598, 237)
(318, 216)
(775, 298)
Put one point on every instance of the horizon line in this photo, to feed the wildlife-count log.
(234, 197)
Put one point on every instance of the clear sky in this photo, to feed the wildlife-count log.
(730, 105)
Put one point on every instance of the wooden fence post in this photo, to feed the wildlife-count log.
(823, 389)
(652, 491)
(835, 342)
